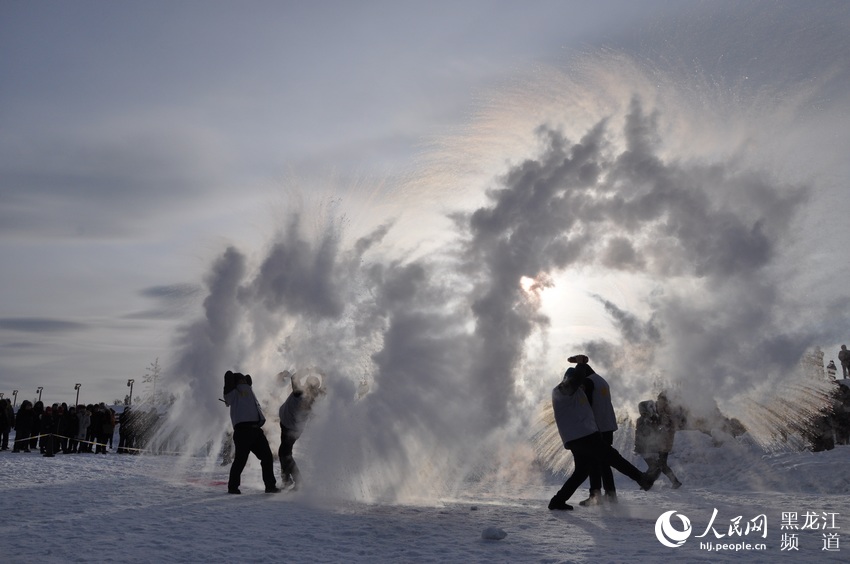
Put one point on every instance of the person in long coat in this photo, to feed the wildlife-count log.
(24, 422)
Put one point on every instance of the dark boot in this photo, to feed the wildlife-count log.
(559, 504)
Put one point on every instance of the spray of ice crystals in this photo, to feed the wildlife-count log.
(663, 209)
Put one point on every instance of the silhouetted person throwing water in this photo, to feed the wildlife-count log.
(578, 431)
(599, 395)
(248, 436)
(844, 359)
(654, 433)
(294, 413)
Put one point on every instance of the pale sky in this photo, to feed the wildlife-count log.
(138, 139)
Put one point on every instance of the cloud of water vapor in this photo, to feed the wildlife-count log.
(436, 362)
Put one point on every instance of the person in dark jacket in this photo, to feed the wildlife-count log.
(69, 431)
(38, 411)
(24, 422)
(672, 419)
(83, 424)
(100, 427)
(94, 429)
(125, 431)
(294, 413)
(844, 359)
(247, 419)
(48, 428)
(6, 423)
(654, 434)
(107, 428)
(91, 434)
(60, 439)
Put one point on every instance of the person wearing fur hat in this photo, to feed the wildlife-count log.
(248, 437)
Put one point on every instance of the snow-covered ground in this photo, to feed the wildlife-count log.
(91, 508)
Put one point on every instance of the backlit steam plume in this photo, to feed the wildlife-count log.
(658, 205)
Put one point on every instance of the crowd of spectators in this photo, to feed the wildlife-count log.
(59, 428)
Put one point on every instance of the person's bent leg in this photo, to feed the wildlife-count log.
(653, 469)
(616, 461)
(664, 467)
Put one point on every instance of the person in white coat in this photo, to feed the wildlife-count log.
(247, 419)
(577, 428)
(598, 393)
(580, 434)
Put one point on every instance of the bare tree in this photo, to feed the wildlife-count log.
(151, 377)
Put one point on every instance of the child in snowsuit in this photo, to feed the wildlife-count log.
(654, 433)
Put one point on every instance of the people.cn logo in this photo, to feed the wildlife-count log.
(667, 534)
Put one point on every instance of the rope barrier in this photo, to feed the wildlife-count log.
(95, 443)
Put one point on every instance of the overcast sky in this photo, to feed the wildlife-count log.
(139, 139)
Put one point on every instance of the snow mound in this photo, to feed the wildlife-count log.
(493, 533)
